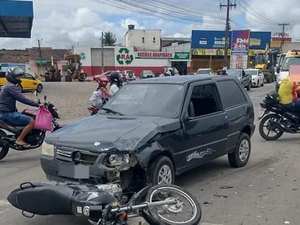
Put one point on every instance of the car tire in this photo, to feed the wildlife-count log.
(241, 154)
(161, 171)
(39, 88)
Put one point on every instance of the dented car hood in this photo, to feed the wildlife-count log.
(101, 133)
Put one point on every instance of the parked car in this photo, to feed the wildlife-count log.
(208, 71)
(257, 77)
(244, 78)
(29, 82)
(140, 138)
(147, 74)
(129, 75)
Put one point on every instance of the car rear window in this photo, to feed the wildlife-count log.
(231, 94)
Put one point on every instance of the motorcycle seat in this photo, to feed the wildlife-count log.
(11, 127)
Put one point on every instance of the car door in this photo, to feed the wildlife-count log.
(28, 82)
(235, 105)
(204, 127)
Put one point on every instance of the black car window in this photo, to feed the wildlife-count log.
(204, 100)
(231, 94)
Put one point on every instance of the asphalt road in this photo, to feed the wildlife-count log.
(266, 191)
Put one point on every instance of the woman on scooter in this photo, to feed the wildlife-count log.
(10, 93)
(102, 94)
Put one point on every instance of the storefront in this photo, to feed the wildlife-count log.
(96, 60)
(208, 48)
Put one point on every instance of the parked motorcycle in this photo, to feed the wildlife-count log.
(103, 204)
(276, 119)
(9, 133)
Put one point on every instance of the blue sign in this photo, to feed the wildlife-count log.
(260, 40)
(209, 39)
(216, 39)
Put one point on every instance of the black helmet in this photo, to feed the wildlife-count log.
(13, 75)
(115, 77)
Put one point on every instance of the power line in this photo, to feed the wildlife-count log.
(283, 33)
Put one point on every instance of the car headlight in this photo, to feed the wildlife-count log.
(118, 160)
(47, 149)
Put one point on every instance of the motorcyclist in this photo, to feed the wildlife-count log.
(115, 82)
(10, 93)
(288, 94)
(102, 94)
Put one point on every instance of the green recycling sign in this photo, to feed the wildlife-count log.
(124, 57)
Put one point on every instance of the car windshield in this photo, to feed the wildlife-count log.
(162, 100)
(290, 61)
(251, 72)
(235, 73)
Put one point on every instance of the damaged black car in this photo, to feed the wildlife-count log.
(153, 130)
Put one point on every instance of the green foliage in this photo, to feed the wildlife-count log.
(109, 39)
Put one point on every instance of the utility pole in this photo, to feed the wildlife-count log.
(40, 55)
(282, 34)
(102, 54)
(227, 28)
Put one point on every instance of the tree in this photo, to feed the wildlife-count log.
(109, 39)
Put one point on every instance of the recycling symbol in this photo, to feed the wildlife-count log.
(124, 57)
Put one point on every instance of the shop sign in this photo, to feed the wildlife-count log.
(182, 55)
(201, 51)
(154, 55)
(124, 57)
(240, 40)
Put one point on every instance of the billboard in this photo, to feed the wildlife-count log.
(260, 40)
(209, 39)
(206, 39)
(240, 41)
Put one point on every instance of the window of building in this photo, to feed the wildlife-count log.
(143, 39)
(154, 40)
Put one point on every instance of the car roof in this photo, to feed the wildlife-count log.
(182, 79)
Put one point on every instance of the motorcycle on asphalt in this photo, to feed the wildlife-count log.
(9, 132)
(276, 119)
(106, 204)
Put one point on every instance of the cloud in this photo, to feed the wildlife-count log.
(61, 24)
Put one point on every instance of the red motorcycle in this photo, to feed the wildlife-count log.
(9, 133)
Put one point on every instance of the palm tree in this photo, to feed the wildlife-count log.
(109, 39)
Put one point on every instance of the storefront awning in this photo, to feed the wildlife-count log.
(16, 18)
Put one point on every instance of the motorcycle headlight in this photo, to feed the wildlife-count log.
(118, 160)
(47, 149)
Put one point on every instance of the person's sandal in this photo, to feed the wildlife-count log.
(25, 145)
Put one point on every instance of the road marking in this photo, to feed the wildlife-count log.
(4, 205)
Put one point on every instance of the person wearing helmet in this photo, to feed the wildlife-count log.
(101, 95)
(115, 82)
(10, 93)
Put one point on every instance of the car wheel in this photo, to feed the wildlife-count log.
(39, 88)
(161, 171)
(241, 154)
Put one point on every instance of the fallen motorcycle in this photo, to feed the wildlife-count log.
(103, 204)
(276, 119)
(9, 133)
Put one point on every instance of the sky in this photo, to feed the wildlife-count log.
(66, 23)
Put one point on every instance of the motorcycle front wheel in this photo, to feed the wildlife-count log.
(186, 210)
(267, 130)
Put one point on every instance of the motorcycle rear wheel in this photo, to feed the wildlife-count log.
(186, 211)
(271, 133)
(3, 148)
